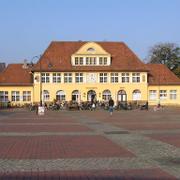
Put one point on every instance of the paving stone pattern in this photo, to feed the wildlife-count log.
(90, 145)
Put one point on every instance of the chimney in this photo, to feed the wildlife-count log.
(2, 66)
(25, 64)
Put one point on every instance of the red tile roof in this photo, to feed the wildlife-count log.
(15, 74)
(58, 54)
(159, 74)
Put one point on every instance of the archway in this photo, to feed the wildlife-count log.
(46, 95)
(106, 95)
(136, 95)
(122, 96)
(76, 96)
(60, 95)
(91, 95)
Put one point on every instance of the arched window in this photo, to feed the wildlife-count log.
(76, 96)
(91, 49)
(122, 96)
(106, 95)
(91, 95)
(60, 95)
(46, 95)
(136, 95)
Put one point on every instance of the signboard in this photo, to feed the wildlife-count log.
(41, 110)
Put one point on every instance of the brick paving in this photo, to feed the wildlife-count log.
(173, 139)
(43, 128)
(90, 145)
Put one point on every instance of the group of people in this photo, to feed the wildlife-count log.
(110, 104)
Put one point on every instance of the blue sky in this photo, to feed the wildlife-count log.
(28, 26)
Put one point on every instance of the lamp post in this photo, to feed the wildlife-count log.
(40, 69)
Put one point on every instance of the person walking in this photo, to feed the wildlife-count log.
(111, 105)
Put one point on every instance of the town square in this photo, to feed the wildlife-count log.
(89, 90)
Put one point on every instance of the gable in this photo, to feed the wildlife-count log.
(91, 48)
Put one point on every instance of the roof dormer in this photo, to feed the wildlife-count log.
(91, 54)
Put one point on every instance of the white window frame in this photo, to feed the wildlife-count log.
(15, 96)
(26, 95)
(103, 61)
(91, 61)
(136, 95)
(79, 78)
(163, 94)
(45, 77)
(56, 77)
(67, 77)
(125, 77)
(4, 96)
(61, 94)
(136, 78)
(103, 77)
(46, 95)
(152, 94)
(106, 95)
(78, 61)
(114, 77)
(173, 94)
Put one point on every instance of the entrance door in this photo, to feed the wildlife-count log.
(76, 96)
(91, 95)
(122, 96)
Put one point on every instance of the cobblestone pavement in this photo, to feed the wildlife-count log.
(90, 145)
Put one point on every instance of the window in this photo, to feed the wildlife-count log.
(79, 77)
(90, 60)
(173, 94)
(67, 77)
(103, 61)
(45, 78)
(3, 96)
(90, 50)
(15, 96)
(26, 95)
(136, 95)
(56, 77)
(46, 95)
(81, 60)
(78, 60)
(152, 94)
(103, 77)
(114, 78)
(163, 94)
(60, 95)
(106, 95)
(76, 96)
(135, 77)
(125, 77)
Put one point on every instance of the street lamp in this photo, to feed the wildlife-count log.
(38, 57)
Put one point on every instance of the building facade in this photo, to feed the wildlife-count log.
(84, 71)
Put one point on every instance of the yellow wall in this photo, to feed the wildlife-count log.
(20, 89)
(68, 88)
(166, 101)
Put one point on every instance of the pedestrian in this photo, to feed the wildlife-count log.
(111, 105)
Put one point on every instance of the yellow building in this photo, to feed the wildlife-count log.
(83, 71)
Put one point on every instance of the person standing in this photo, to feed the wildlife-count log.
(111, 105)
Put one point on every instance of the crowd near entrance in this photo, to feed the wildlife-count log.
(91, 96)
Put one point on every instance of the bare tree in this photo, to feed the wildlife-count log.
(167, 54)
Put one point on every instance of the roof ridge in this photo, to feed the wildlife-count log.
(78, 41)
